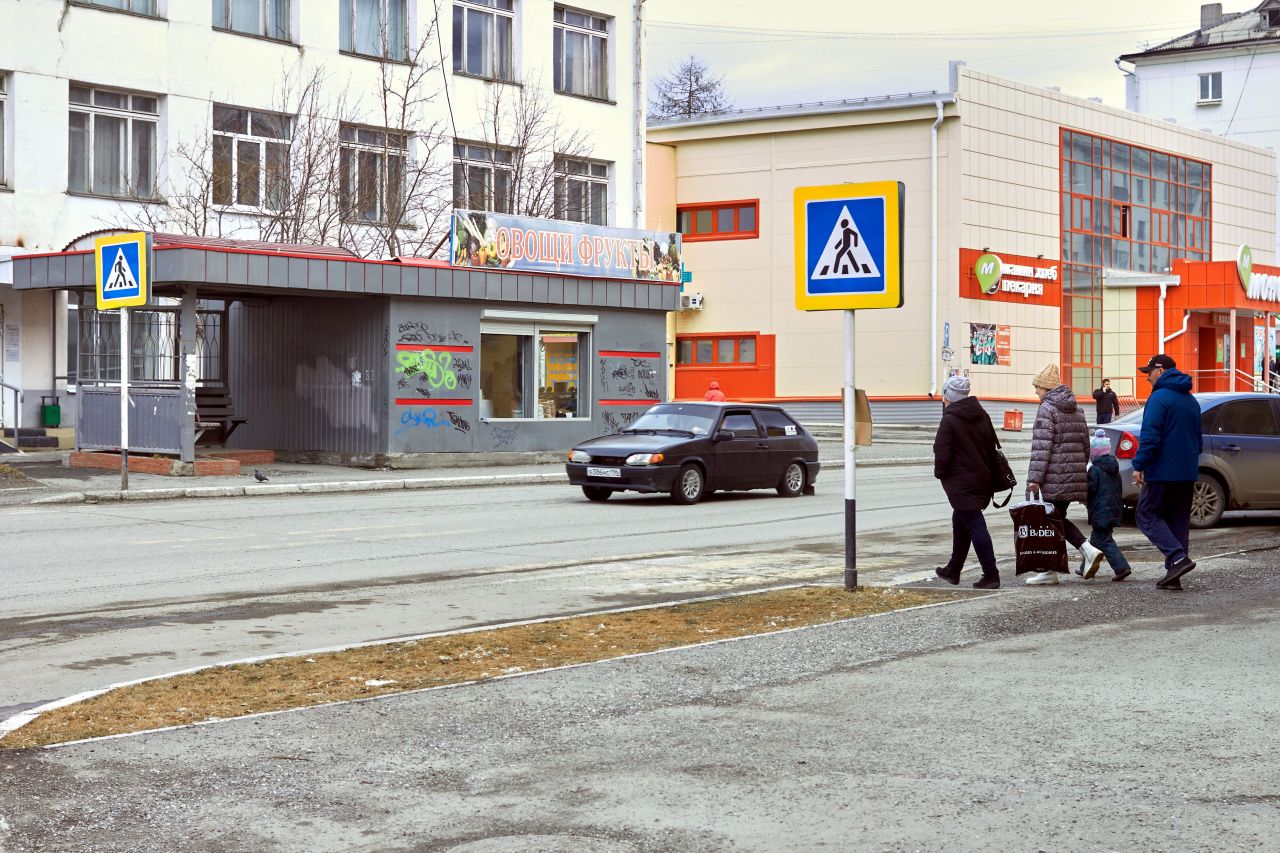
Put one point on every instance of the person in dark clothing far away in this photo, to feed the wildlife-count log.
(962, 455)
(1108, 403)
(1167, 466)
(714, 394)
(1059, 459)
(1106, 505)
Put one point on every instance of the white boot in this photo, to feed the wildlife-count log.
(1042, 578)
(1092, 560)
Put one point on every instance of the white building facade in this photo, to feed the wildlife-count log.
(1221, 78)
(201, 116)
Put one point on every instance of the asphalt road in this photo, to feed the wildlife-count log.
(1091, 716)
(95, 595)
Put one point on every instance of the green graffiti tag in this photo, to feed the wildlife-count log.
(435, 367)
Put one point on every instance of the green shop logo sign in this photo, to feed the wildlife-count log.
(988, 268)
(1244, 265)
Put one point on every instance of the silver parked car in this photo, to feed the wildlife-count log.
(1239, 460)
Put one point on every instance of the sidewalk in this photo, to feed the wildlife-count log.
(50, 482)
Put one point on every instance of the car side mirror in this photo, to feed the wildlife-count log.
(723, 435)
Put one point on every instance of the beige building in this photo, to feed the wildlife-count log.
(1065, 193)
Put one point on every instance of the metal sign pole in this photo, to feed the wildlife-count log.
(850, 472)
(124, 399)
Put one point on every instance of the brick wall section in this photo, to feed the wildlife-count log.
(211, 467)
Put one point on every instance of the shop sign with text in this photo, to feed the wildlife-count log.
(1009, 278)
(1261, 286)
(549, 246)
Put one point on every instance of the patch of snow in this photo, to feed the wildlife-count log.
(379, 682)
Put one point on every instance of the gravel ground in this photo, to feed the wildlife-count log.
(1090, 716)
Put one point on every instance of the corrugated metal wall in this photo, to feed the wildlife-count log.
(310, 374)
(155, 421)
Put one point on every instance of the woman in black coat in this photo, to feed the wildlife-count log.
(962, 455)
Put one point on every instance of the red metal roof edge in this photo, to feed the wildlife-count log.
(399, 261)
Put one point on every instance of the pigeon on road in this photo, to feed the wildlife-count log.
(259, 476)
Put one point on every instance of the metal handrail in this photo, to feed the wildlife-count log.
(17, 406)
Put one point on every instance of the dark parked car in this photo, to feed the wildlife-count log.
(693, 449)
(1239, 459)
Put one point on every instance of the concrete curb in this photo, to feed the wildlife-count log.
(411, 484)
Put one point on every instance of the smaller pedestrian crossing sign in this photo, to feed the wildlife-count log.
(120, 263)
(849, 246)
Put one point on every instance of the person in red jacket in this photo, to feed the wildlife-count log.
(714, 394)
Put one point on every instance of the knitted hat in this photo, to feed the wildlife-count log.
(1099, 445)
(955, 388)
(1048, 379)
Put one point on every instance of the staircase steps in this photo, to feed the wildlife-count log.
(28, 438)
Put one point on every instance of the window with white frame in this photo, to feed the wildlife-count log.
(250, 157)
(535, 370)
(482, 177)
(581, 53)
(377, 28)
(1211, 87)
(266, 18)
(112, 144)
(482, 38)
(371, 172)
(4, 91)
(582, 191)
(139, 7)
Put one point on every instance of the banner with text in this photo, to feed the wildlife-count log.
(521, 243)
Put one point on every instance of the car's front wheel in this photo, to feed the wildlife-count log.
(792, 485)
(689, 485)
(1208, 501)
(596, 493)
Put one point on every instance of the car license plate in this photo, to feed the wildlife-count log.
(604, 472)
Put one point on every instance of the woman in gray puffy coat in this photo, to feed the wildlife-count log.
(1059, 463)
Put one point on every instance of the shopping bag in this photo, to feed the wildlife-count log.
(1038, 542)
(1001, 477)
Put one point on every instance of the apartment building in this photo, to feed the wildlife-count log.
(357, 124)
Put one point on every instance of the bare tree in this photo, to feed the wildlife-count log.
(689, 89)
(529, 146)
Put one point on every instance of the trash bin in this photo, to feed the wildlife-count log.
(50, 413)
(1013, 420)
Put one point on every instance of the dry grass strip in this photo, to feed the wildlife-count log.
(236, 690)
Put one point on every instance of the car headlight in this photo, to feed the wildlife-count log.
(645, 458)
(579, 456)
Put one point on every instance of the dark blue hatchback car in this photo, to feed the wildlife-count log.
(692, 449)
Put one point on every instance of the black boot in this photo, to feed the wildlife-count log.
(949, 575)
(987, 582)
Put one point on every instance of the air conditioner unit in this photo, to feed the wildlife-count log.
(691, 302)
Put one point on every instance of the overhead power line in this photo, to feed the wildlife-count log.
(949, 35)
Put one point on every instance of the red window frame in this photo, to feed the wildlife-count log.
(737, 233)
(715, 338)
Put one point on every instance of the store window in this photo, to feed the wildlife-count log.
(726, 350)
(1211, 88)
(371, 172)
(482, 38)
(1123, 207)
(533, 371)
(726, 220)
(250, 157)
(111, 148)
(138, 7)
(376, 28)
(482, 177)
(266, 18)
(581, 54)
(582, 191)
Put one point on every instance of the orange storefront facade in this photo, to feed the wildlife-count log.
(1213, 329)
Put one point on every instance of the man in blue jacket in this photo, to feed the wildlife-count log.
(1167, 466)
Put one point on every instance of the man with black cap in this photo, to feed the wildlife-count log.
(1167, 466)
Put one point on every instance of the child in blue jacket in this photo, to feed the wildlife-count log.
(1106, 505)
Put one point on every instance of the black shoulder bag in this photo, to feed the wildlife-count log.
(1001, 476)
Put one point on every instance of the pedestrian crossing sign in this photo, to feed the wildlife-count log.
(120, 264)
(849, 246)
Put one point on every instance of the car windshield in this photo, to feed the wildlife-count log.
(1134, 417)
(677, 417)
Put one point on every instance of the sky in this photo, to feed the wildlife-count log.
(774, 52)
